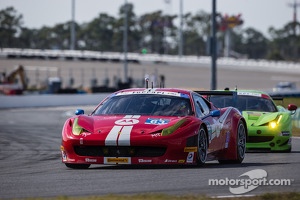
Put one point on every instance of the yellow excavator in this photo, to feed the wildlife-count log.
(8, 84)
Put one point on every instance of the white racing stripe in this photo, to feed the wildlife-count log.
(132, 116)
(111, 138)
(120, 134)
(124, 138)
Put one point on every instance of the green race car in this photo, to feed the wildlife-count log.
(269, 125)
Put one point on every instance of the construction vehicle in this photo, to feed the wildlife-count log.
(9, 84)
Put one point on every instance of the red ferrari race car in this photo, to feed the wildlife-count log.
(154, 126)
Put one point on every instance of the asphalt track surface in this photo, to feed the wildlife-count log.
(31, 166)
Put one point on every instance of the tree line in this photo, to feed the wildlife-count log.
(153, 32)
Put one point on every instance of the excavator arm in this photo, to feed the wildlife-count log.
(8, 86)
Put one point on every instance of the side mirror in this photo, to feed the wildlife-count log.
(79, 112)
(215, 113)
(292, 107)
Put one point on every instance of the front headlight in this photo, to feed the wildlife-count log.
(273, 124)
(76, 129)
(171, 129)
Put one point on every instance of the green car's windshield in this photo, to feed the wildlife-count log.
(249, 103)
(145, 104)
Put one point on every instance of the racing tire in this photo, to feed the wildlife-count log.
(240, 145)
(241, 142)
(77, 166)
(202, 146)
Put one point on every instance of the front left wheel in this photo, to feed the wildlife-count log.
(202, 147)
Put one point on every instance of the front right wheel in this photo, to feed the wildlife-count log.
(241, 142)
(240, 145)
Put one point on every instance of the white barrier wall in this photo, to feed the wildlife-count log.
(25, 101)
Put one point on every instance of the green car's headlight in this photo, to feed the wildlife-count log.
(171, 129)
(273, 124)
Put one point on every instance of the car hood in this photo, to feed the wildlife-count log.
(139, 124)
(259, 118)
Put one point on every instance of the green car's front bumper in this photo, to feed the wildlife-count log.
(269, 131)
(264, 139)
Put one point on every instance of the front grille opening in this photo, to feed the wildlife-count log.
(257, 139)
(121, 151)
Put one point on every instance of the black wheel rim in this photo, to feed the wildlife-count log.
(202, 146)
(241, 141)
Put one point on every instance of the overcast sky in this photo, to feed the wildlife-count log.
(258, 14)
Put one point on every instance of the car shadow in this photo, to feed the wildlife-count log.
(206, 166)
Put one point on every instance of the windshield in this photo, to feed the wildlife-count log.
(249, 103)
(145, 104)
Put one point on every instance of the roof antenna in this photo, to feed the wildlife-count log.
(146, 82)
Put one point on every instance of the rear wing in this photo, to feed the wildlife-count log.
(277, 98)
(207, 94)
(215, 92)
(227, 98)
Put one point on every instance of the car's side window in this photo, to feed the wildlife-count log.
(204, 106)
(201, 107)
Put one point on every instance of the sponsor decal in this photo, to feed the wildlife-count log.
(249, 94)
(151, 91)
(157, 121)
(117, 160)
(84, 134)
(285, 133)
(124, 122)
(170, 161)
(227, 139)
(90, 160)
(190, 149)
(181, 161)
(64, 156)
(156, 135)
(144, 161)
(209, 129)
(190, 157)
(218, 125)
